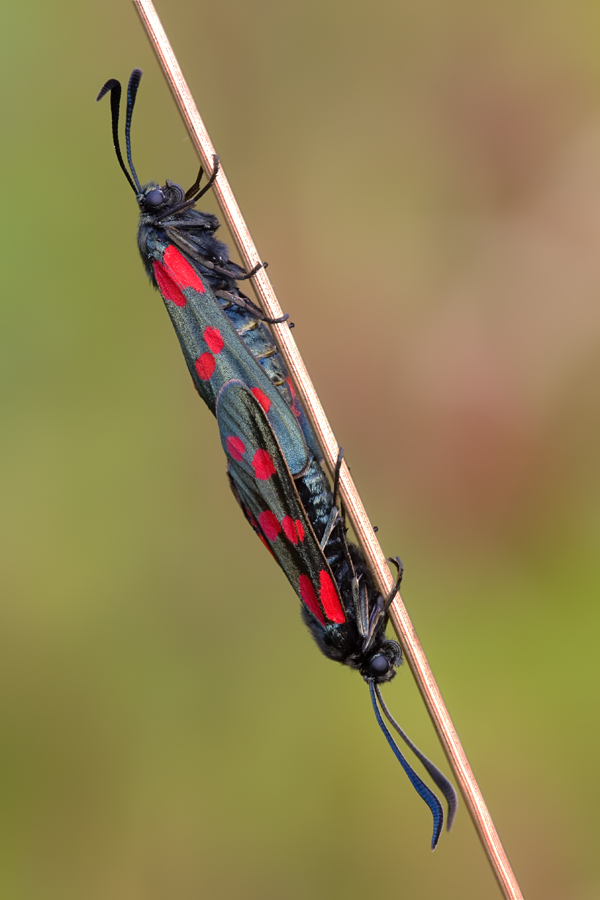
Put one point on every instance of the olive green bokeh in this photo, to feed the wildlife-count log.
(424, 179)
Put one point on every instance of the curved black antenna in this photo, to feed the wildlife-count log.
(437, 777)
(114, 87)
(134, 82)
(420, 787)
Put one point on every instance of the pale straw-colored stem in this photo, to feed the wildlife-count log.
(352, 502)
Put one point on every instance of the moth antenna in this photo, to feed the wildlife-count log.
(420, 787)
(132, 87)
(114, 87)
(437, 777)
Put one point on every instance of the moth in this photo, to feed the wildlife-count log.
(274, 462)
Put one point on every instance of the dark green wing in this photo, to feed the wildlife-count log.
(263, 485)
(215, 353)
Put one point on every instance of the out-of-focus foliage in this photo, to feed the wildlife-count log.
(424, 179)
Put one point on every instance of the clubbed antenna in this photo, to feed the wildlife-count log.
(134, 82)
(420, 787)
(114, 87)
(438, 777)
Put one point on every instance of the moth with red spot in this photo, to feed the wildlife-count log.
(335, 595)
(274, 460)
(219, 329)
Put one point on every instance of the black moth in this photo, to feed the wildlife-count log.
(274, 463)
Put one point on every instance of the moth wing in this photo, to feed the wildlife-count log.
(264, 487)
(214, 351)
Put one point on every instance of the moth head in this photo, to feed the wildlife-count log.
(153, 198)
(380, 665)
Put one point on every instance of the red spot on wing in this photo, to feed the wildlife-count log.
(236, 448)
(167, 286)
(300, 530)
(269, 523)
(213, 338)
(289, 529)
(257, 530)
(263, 465)
(180, 270)
(330, 598)
(262, 399)
(205, 366)
(309, 598)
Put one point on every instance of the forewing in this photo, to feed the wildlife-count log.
(266, 490)
(215, 353)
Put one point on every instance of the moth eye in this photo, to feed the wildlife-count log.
(379, 665)
(154, 198)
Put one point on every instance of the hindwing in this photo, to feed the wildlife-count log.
(265, 489)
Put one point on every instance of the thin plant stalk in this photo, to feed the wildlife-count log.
(352, 503)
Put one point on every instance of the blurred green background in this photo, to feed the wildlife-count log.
(424, 179)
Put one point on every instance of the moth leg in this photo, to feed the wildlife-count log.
(191, 191)
(187, 246)
(333, 517)
(187, 204)
(247, 304)
(211, 180)
(235, 276)
(336, 485)
(257, 268)
(336, 474)
(238, 299)
(399, 565)
(380, 609)
(374, 620)
(360, 608)
(175, 235)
